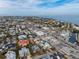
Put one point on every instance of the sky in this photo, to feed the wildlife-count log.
(38, 7)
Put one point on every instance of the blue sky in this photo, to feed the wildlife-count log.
(39, 7)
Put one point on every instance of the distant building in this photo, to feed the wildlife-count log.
(65, 34)
(77, 37)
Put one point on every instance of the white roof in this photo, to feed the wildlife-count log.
(10, 55)
(58, 57)
(46, 28)
(22, 36)
(23, 52)
(40, 33)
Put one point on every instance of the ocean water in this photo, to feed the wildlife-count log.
(67, 18)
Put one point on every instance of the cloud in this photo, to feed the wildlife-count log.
(39, 7)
